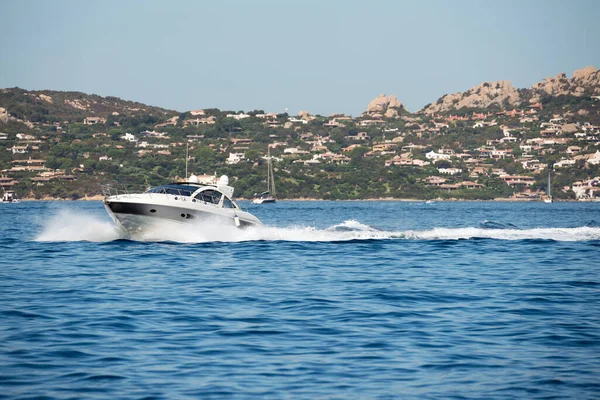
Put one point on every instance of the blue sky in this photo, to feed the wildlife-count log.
(323, 56)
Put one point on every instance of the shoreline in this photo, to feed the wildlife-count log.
(388, 199)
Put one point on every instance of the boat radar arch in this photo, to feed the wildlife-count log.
(224, 180)
(193, 179)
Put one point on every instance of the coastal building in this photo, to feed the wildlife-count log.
(238, 116)
(235, 158)
(129, 137)
(19, 149)
(94, 120)
(239, 144)
(518, 180)
(432, 155)
(449, 171)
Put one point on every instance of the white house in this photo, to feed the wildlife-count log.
(235, 158)
(267, 116)
(595, 159)
(19, 149)
(564, 163)
(93, 120)
(238, 116)
(449, 171)
(292, 119)
(432, 155)
(129, 137)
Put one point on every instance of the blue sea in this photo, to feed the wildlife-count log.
(330, 300)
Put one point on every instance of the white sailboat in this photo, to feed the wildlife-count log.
(269, 195)
(8, 196)
(548, 198)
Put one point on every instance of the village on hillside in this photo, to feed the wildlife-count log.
(56, 145)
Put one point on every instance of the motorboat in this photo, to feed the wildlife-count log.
(9, 196)
(199, 199)
(269, 195)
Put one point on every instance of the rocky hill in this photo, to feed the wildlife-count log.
(502, 94)
(54, 106)
(384, 106)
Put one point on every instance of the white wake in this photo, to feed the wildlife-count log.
(67, 227)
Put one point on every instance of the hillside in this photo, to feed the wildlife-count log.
(502, 95)
(49, 106)
(493, 141)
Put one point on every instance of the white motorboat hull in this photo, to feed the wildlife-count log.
(136, 213)
(264, 200)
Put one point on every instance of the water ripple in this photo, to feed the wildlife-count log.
(430, 304)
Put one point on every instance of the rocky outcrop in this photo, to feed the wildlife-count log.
(3, 114)
(585, 81)
(552, 86)
(78, 104)
(482, 96)
(584, 73)
(382, 105)
(45, 98)
(306, 116)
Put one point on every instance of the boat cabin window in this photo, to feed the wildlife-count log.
(209, 196)
(177, 190)
(227, 203)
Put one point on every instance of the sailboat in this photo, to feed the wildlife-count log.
(548, 198)
(8, 196)
(269, 195)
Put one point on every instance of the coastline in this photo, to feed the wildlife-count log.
(390, 199)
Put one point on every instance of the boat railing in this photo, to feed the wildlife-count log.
(109, 190)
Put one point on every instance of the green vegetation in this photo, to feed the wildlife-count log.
(78, 157)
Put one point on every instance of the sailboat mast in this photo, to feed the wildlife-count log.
(549, 187)
(270, 177)
(272, 180)
(268, 170)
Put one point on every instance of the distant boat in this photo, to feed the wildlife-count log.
(9, 196)
(548, 198)
(269, 195)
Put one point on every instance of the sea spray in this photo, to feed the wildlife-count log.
(68, 226)
(73, 226)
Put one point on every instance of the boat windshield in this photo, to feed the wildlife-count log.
(179, 190)
(210, 196)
